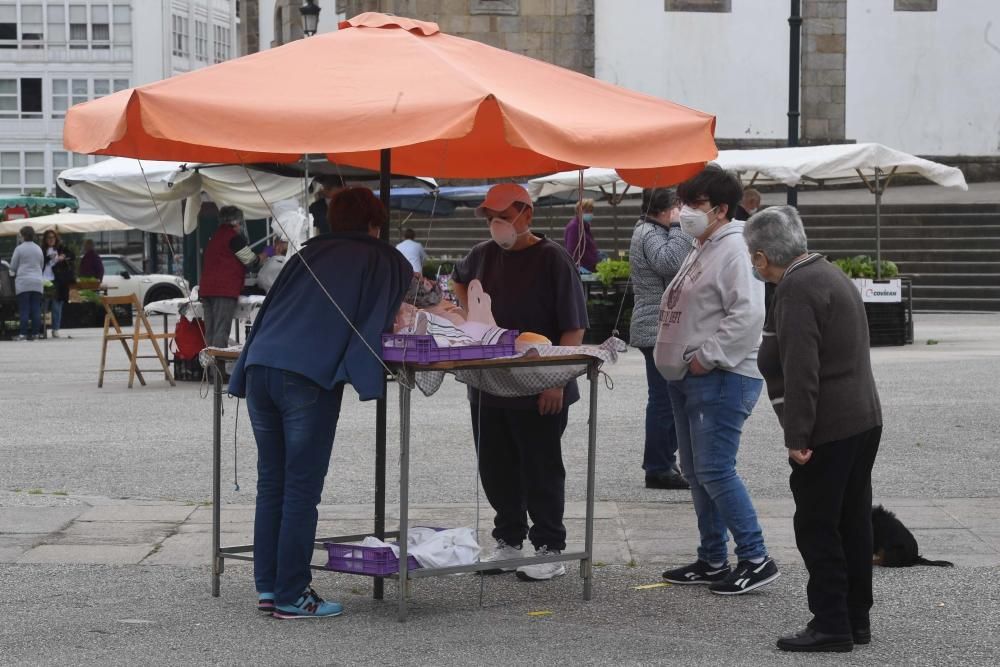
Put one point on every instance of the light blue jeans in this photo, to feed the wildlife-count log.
(709, 412)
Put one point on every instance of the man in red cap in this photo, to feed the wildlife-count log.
(534, 286)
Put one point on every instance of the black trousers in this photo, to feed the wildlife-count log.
(521, 467)
(833, 530)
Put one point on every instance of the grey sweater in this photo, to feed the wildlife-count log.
(815, 356)
(655, 254)
(26, 263)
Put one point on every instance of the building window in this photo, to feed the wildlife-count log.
(31, 98)
(32, 26)
(201, 40)
(21, 98)
(34, 169)
(8, 97)
(915, 5)
(10, 170)
(8, 27)
(78, 35)
(718, 6)
(180, 35)
(56, 15)
(495, 7)
(100, 27)
(22, 172)
(67, 92)
(222, 43)
(123, 24)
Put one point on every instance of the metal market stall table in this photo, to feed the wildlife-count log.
(407, 374)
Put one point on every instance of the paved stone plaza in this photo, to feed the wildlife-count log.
(104, 527)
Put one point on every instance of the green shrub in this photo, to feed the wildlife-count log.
(862, 266)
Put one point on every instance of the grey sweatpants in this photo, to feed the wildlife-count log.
(219, 312)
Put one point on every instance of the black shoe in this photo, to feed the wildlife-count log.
(671, 479)
(813, 641)
(746, 577)
(698, 572)
(862, 635)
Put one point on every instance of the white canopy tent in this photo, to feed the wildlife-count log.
(65, 223)
(121, 188)
(872, 164)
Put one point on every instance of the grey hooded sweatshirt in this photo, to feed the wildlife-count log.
(713, 309)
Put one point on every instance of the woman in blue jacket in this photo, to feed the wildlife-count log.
(316, 332)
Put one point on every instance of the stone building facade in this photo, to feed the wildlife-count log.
(557, 31)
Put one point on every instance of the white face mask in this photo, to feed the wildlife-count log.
(695, 221)
(504, 233)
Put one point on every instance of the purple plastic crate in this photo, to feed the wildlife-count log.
(357, 559)
(423, 350)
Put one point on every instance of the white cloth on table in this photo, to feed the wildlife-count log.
(526, 380)
(448, 334)
(246, 307)
(435, 548)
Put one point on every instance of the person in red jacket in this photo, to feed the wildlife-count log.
(226, 260)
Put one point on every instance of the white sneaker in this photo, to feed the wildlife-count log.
(542, 571)
(54, 333)
(502, 551)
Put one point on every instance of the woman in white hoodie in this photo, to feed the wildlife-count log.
(711, 317)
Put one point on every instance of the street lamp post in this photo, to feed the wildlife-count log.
(794, 54)
(310, 17)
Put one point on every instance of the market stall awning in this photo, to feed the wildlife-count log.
(445, 106)
(65, 223)
(834, 164)
(820, 165)
(23, 200)
(121, 188)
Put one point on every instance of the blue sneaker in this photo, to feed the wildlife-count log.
(309, 605)
(265, 602)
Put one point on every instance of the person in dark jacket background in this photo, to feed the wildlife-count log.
(227, 258)
(816, 362)
(300, 354)
(578, 238)
(657, 250)
(91, 265)
(58, 268)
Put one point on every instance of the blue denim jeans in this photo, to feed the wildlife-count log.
(710, 411)
(29, 306)
(56, 308)
(660, 453)
(294, 421)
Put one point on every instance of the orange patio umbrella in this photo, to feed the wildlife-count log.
(445, 106)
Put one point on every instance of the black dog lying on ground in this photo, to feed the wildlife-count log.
(893, 545)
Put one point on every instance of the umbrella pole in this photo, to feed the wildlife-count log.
(384, 185)
(878, 224)
(385, 178)
(614, 214)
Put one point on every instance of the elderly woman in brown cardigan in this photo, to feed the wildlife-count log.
(815, 360)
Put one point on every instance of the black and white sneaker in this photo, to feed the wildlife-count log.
(746, 577)
(698, 572)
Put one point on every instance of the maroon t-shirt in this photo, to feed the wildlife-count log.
(537, 289)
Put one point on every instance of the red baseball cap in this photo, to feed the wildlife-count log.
(501, 196)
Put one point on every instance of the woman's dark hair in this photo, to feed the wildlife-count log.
(54, 234)
(355, 210)
(27, 233)
(717, 185)
(657, 200)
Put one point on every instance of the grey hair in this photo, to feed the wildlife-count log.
(230, 214)
(778, 233)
